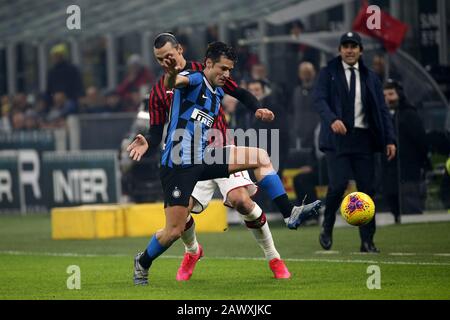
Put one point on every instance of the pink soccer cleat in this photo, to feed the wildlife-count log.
(188, 264)
(279, 269)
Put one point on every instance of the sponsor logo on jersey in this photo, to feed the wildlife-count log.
(202, 117)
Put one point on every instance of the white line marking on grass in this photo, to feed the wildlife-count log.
(327, 252)
(442, 254)
(54, 254)
(402, 254)
(59, 254)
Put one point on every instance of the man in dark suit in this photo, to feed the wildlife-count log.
(404, 177)
(355, 123)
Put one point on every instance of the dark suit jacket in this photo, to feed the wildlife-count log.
(412, 146)
(331, 98)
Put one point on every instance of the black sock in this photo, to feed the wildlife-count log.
(284, 205)
(145, 261)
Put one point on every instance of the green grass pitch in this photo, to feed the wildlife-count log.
(414, 264)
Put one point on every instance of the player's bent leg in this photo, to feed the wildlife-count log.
(256, 222)
(194, 252)
(198, 201)
(240, 200)
(160, 242)
(242, 158)
(176, 217)
(188, 236)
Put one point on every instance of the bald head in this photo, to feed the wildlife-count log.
(306, 73)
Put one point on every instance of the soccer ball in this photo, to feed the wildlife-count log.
(357, 208)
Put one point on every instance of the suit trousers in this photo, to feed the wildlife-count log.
(354, 158)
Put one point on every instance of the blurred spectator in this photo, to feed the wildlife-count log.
(302, 52)
(138, 79)
(267, 100)
(5, 111)
(307, 179)
(134, 101)
(60, 109)
(445, 186)
(245, 60)
(17, 120)
(93, 102)
(258, 71)
(32, 120)
(113, 102)
(229, 105)
(408, 197)
(212, 33)
(41, 106)
(303, 117)
(379, 67)
(439, 142)
(20, 103)
(63, 76)
(441, 74)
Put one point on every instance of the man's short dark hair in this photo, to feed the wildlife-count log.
(393, 84)
(162, 38)
(260, 82)
(217, 49)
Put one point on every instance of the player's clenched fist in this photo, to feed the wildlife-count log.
(264, 114)
(138, 147)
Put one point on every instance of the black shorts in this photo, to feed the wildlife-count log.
(179, 182)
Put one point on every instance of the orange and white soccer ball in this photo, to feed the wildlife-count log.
(357, 208)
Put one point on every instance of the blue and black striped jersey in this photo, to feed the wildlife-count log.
(193, 112)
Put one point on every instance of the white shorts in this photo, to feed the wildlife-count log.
(204, 190)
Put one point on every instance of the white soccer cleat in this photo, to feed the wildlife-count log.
(303, 213)
(140, 273)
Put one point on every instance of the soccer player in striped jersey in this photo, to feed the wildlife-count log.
(236, 189)
(196, 106)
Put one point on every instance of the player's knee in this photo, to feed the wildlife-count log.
(240, 200)
(175, 234)
(263, 157)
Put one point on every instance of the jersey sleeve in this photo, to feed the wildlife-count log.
(195, 78)
(157, 106)
(230, 86)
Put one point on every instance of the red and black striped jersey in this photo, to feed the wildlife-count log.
(160, 101)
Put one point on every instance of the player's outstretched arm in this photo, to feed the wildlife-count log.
(172, 79)
(249, 101)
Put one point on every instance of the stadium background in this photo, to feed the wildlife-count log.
(265, 34)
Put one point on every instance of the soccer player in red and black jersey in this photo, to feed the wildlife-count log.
(236, 189)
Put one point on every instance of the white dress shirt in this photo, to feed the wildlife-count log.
(359, 114)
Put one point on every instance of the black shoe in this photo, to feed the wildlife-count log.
(326, 240)
(369, 247)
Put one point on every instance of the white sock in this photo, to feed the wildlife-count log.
(189, 239)
(262, 235)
